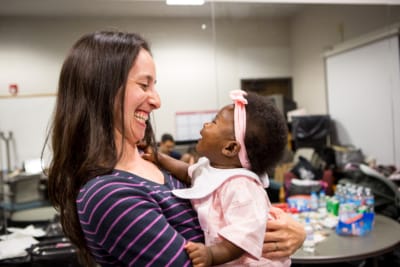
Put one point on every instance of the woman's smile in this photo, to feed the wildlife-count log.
(141, 116)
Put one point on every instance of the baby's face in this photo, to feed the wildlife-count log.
(216, 133)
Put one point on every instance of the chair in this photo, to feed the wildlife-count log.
(312, 131)
(310, 160)
(325, 183)
(386, 192)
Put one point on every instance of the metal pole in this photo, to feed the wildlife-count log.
(7, 140)
(3, 174)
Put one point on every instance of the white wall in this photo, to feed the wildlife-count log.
(363, 85)
(195, 72)
(314, 31)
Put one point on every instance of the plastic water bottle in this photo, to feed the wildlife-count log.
(350, 191)
(309, 243)
(314, 202)
(369, 199)
(340, 193)
(369, 216)
(322, 200)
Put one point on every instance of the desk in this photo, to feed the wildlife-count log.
(382, 239)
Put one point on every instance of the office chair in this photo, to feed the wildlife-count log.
(312, 131)
(386, 192)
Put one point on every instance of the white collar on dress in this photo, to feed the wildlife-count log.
(206, 179)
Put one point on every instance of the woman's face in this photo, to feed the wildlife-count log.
(141, 97)
(216, 133)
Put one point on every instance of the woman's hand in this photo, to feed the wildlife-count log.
(284, 235)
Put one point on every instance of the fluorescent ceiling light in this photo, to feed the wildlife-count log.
(185, 2)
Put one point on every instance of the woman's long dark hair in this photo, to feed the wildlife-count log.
(92, 83)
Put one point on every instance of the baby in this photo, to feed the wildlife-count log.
(238, 147)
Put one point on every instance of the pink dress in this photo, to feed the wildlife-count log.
(231, 204)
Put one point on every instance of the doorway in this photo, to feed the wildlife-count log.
(269, 86)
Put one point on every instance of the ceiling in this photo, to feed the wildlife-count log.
(158, 8)
(149, 8)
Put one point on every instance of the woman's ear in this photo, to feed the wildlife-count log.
(231, 149)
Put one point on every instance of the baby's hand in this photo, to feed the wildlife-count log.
(199, 254)
(147, 153)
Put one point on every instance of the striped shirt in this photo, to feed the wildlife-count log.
(131, 221)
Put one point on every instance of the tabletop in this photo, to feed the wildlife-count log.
(384, 237)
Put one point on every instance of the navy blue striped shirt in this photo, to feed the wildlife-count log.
(131, 221)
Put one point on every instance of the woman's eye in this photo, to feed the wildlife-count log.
(143, 86)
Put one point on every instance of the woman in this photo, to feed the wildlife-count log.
(116, 207)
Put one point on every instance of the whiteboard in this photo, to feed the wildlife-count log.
(189, 124)
(363, 89)
(28, 119)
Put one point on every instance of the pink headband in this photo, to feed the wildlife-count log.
(240, 124)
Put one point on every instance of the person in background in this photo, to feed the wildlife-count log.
(190, 156)
(167, 145)
(229, 178)
(116, 206)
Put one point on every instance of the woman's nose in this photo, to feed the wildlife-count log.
(154, 99)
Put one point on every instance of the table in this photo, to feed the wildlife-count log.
(382, 239)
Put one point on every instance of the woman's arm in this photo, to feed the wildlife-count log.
(123, 219)
(283, 237)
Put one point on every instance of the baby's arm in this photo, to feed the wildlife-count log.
(203, 256)
(177, 167)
